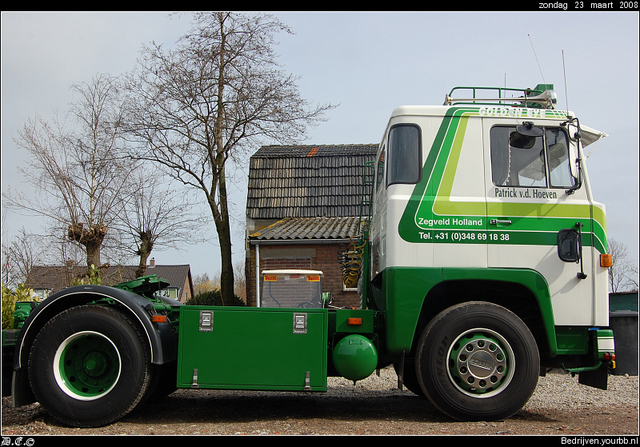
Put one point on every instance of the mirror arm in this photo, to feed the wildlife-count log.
(578, 185)
(581, 275)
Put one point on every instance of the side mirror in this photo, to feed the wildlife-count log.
(569, 245)
(525, 136)
(529, 130)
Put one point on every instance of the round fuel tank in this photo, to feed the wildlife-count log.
(355, 357)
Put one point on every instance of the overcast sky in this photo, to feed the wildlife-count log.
(369, 63)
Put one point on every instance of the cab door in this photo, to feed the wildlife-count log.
(534, 197)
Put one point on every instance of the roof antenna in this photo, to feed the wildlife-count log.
(536, 56)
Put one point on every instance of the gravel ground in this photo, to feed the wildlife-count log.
(374, 406)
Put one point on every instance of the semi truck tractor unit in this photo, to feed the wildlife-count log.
(481, 262)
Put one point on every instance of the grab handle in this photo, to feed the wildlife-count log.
(499, 222)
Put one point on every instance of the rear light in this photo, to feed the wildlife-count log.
(606, 260)
(354, 321)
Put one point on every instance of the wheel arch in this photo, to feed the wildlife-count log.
(532, 302)
(139, 308)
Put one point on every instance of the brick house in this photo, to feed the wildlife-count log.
(303, 204)
(46, 280)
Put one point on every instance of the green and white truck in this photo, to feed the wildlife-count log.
(481, 264)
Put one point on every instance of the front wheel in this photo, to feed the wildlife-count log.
(89, 366)
(477, 361)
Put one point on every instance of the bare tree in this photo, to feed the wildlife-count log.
(203, 283)
(19, 256)
(157, 217)
(80, 173)
(623, 275)
(214, 97)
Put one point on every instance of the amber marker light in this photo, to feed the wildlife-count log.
(606, 260)
(159, 318)
(354, 321)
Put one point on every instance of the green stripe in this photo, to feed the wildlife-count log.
(427, 187)
(532, 222)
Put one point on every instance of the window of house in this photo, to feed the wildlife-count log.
(530, 161)
(404, 157)
(169, 292)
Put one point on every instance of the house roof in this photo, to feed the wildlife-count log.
(56, 278)
(307, 181)
(320, 228)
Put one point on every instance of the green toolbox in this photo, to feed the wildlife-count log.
(253, 349)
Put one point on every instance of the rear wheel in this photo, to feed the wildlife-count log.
(477, 361)
(89, 366)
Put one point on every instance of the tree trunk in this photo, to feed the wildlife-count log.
(220, 213)
(93, 256)
(221, 219)
(144, 251)
(226, 275)
(91, 239)
(142, 266)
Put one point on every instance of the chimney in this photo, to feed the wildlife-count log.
(152, 263)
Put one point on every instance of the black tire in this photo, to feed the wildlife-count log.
(89, 366)
(477, 361)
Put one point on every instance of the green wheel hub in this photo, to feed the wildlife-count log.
(481, 363)
(87, 365)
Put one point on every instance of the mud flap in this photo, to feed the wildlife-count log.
(21, 389)
(596, 378)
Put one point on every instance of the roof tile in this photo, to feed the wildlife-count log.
(307, 181)
(309, 228)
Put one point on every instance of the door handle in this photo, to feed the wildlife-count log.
(499, 222)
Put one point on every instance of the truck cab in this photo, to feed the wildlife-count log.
(488, 200)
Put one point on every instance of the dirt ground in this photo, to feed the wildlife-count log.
(349, 410)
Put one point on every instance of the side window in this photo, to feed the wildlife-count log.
(516, 160)
(380, 168)
(558, 156)
(519, 160)
(404, 157)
